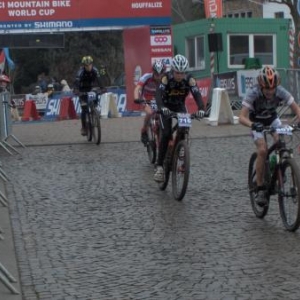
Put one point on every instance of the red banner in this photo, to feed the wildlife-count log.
(213, 8)
(57, 10)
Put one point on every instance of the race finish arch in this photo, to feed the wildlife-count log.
(145, 24)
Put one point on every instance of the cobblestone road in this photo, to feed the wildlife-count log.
(90, 224)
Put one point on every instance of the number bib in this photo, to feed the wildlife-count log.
(92, 96)
(184, 120)
(286, 130)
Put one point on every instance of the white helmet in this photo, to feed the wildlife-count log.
(179, 63)
(158, 67)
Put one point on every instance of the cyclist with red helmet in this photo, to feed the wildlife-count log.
(171, 94)
(4, 82)
(87, 77)
(146, 90)
(259, 110)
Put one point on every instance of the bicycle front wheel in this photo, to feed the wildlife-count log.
(180, 170)
(289, 194)
(259, 211)
(96, 127)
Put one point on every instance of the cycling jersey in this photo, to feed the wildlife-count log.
(264, 110)
(85, 80)
(149, 85)
(172, 94)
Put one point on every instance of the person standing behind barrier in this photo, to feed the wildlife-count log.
(4, 82)
(146, 89)
(87, 77)
(65, 86)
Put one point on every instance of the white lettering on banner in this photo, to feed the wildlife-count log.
(204, 91)
(27, 4)
(228, 83)
(156, 31)
(59, 24)
(160, 40)
(137, 5)
(159, 50)
(31, 12)
(165, 60)
(53, 108)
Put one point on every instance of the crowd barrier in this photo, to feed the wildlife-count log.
(6, 132)
(6, 124)
(221, 111)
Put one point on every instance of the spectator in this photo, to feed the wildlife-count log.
(37, 90)
(50, 90)
(42, 83)
(65, 86)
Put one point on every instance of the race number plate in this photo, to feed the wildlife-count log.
(287, 130)
(92, 96)
(184, 120)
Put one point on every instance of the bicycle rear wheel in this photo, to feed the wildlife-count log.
(180, 170)
(96, 127)
(259, 211)
(88, 124)
(289, 194)
(151, 146)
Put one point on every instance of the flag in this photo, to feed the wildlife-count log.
(2, 62)
(213, 9)
(10, 63)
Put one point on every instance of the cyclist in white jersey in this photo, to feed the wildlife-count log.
(259, 110)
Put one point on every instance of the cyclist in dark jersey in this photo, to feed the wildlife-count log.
(259, 110)
(87, 77)
(171, 94)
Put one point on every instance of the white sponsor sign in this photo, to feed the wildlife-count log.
(160, 40)
(246, 79)
(166, 60)
(39, 99)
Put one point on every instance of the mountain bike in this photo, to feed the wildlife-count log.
(177, 159)
(153, 130)
(93, 124)
(282, 179)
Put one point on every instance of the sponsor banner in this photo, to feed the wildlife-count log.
(213, 9)
(160, 40)
(227, 81)
(39, 99)
(53, 105)
(204, 86)
(2, 62)
(160, 31)
(246, 79)
(66, 14)
(166, 59)
(159, 51)
(19, 100)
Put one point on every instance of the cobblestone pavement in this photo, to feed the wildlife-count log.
(89, 223)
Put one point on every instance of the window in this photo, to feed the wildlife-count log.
(195, 52)
(245, 46)
(279, 15)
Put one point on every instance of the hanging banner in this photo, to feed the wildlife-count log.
(213, 9)
(27, 15)
(2, 61)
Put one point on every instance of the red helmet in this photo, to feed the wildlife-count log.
(4, 78)
(268, 78)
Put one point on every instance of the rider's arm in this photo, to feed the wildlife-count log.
(160, 91)
(296, 109)
(244, 117)
(195, 92)
(137, 93)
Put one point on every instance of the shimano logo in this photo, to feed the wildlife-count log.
(57, 24)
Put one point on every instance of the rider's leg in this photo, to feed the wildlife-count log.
(260, 169)
(144, 130)
(83, 119)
